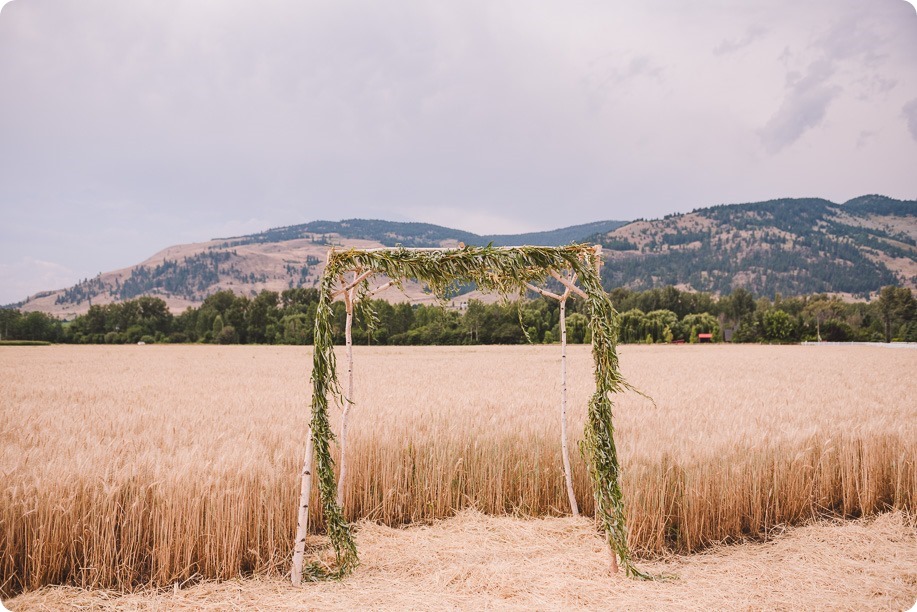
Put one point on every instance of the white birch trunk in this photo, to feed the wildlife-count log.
(568, 476)
(302, 524)
(348, 399)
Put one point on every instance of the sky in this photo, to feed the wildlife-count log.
(127, 127)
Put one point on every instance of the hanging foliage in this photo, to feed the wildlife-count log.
(504, 270)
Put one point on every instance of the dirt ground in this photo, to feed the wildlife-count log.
(481, 562)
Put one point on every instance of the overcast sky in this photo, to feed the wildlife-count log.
(126, 127)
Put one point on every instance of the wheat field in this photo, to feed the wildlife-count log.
(126, 467)
(479, 562)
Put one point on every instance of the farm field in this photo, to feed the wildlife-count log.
(482, 562)
(131, 467)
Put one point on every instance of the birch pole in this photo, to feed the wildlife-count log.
(349, 292)
(565, 451)
(568, 475)
(302, 524)
(614, 560)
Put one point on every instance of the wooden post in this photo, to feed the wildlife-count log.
(349, 292)
(568, 474)
(348, 399)
(302, 524)
(565, 451)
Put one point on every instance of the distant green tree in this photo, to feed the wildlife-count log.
(38, 326)
(296, 329)
(778, 326)
(97, 320)
(821, 308)
(260, 316)
(402, 318)
(9, 323)
(154, 315)
(227, 335)
(896, 307)
(298, 300)
(632, 325)
(738, 305)
(185, 324)
(133, 334)
(236, 316)
(217, 326)
(538, 316)
(660, 324)
(221, 301)
(909, 332)
(693, 324)
(833, 330)
(473, 319)
(577, 327)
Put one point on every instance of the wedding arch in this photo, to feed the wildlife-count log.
(504, 270)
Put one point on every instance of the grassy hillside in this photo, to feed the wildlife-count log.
(787, 246)
(394, 233)
(274, 260)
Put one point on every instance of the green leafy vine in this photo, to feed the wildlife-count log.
(504, 270)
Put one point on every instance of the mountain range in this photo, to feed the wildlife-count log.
(786, 246)
(789, 246)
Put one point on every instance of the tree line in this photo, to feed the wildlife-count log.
(652, 316)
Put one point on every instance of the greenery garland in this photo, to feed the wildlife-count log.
(504, 270)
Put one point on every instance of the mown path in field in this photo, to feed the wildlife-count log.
(480, 562)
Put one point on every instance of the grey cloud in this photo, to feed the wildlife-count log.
(852, 35)
(641, 66)
(910, 114)
(804, 106)
(753, 33)
(881, 85)
(129, 126)
(610, 77)
(864, 138)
